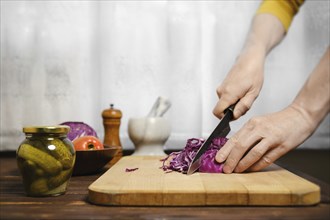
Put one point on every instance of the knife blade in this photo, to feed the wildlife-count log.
(222, 130)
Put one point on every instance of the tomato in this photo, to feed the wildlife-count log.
(87, 143)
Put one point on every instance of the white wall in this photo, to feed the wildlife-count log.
(68, 60)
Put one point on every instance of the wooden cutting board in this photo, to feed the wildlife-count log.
(151, 186)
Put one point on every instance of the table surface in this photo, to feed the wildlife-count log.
(14, 204)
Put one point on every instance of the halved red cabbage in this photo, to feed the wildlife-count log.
(180, 161)
(79, 129)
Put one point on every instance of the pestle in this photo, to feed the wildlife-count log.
(160, 107)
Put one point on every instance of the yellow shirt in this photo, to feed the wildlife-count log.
(284, 10)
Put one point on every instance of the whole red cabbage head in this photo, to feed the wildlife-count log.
(78, 129)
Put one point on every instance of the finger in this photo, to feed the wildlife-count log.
(226, 98)
(254, 155)
(241, 142)
(224, 151)
(267, 159)
(243, 105)
(222, 105)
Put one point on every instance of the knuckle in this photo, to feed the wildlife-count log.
(225, 89)
(255, 120)
(238, 112)
(234, 139)
(244, 106)
(229, 92)
(238, 145)
(216, 112)
(240, 167)
(236, 142)
(266, 160)
(230, 162)
(254, 123)
(261, 164)
(257, 153)
(219, 91)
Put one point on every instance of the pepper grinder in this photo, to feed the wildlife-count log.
(111, 122)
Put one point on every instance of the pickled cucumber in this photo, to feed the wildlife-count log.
(62, 153)
(59, 179)
(45, 161)
(39, 144)
(38, 187)
(29, 169)
(25, 171)
(58, 190)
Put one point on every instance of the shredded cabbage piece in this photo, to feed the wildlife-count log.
(180, 161)
(131, 169)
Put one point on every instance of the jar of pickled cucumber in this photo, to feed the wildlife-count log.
(45, 159)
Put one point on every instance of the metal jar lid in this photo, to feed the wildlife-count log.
(60, 129)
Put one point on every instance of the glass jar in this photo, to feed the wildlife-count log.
(45, 159)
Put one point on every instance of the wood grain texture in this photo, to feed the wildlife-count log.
(14, 204)
(151, 186)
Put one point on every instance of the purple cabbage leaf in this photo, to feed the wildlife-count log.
(180, 161)
(79, 129)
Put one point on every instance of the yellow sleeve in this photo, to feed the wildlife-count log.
(284, 10)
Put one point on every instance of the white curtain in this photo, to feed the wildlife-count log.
(68, 60)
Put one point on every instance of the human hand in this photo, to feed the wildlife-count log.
(242, 84)
(264, 139)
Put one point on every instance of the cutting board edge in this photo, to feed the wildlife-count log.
(307, 198)
(175, 199)
(99, 196)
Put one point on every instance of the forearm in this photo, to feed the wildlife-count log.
(271, 22)
(265, 33)
(313, 100)
(244, 81)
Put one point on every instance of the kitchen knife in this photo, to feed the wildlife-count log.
(221, 130)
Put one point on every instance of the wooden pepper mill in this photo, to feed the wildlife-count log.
(111, 122)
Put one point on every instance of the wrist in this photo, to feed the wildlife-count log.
(313, 100)
(311, 118)
(255, 49)
(252, 55)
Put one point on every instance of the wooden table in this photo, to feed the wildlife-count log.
(74, 205)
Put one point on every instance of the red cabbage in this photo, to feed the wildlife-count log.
(180, 161)
(79, 129)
